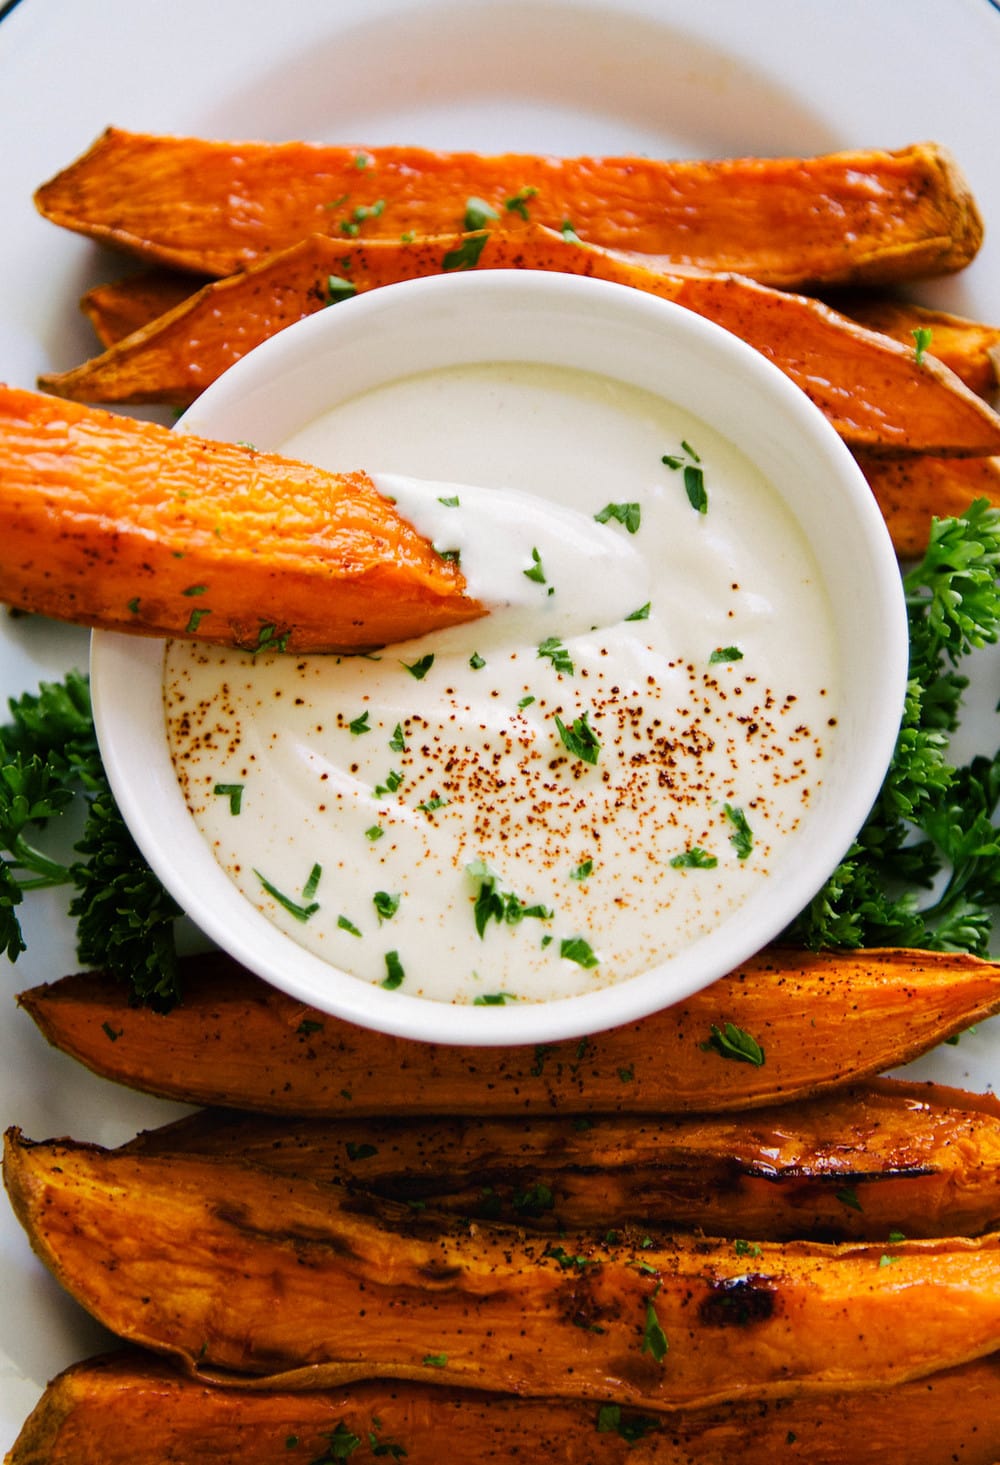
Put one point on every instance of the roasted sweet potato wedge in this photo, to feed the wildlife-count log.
(234, 1270)
(968, 347)
(823, 1019)
(129, 1408)
(125, 525)
(872, 389)
(913, 491)
(862, 216)
(118, 308)
(857, 1164)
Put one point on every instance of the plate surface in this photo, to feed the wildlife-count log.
(563, 76)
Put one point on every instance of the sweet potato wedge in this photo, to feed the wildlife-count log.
(913, 491)
(823, 1020)
(857, 1164)
(129, 1408)
(872, 389)
(205, 540)
(968, 347)
(234, 1270)
(118, 308)
(861, 216)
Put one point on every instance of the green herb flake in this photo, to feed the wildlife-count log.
(518, 202)
(195, 619)
(233, 792)
(133, 605)
(360, 1151)
(642, 614)
(374, 832)
(694, 858)
(888, 1261)
(694, 476)
(451, 502)
(419, 668)
(386, 905)
(345, 924)
(747, 1248)
(397, 742)
(476, 661)
(301, 912)
(579, 739)
(741, 838)
(632, 1428)
(308, 1026)
(342, 1443)
(896, 1237)
(556, 652)
(628, 515)
(576, 948)
(394, 973)
(654, 1339)
(360, 725)
(725, 653)
(338, 289)
(524, 702)
(393, 781)
(195, 590)
(922, 338)
(493, 999)
(312, 884)
(849, 1197)
(584, 869)
(568, 232)
(535, 571)
(478, 214)
(112, 1034)
(436, 1360)
(429, 806)
(735, 1043)
(465, 256)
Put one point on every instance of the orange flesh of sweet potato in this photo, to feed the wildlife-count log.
(870, 387)
(912, 491)
(129, 1408)
(918, 1159)
(216, 206)
(125, 525)
(969, 348)
(123, 306)
(823, 1020)
(234, 1270)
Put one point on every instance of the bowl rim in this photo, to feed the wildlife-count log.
(126, 669)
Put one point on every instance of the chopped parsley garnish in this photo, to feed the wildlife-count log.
(535, 571)
(476, 661)
(233, 792)
(747, 1248)
(575, 948)
(308, 1026)
(360, 1151)
(654, 1339)
(579, 739)
(451, 502)
(525, 702)
(394, 973)
(629, 515)
(301, 911)
(635, 1427)
(465, 256)
(922, 338)
(642, 614)
(554, 649)
(338, 289)
(430, 805)
(585, 868)
(351, 226)
(133, 605)
(734, 1042)
(503, 906)
(741, 838)
(195, 619)
(568, 232)
(420, 667)
(267, 637)
(342, 1443)
(725, 653)
(694, 476)
(312, 884)
(478, 213)
(393, 781)
(848, 1197)
(493, 999)
(436, 1360)
(386, 905)
(374, 832)
(454, 556)
(195, 590)
(360, 724)
(397, 743)
(518, 202)
(694, 858)
(344, 924)
(534, 1198)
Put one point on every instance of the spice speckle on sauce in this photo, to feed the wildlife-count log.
(568, 792)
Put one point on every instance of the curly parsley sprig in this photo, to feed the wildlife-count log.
(925, 868)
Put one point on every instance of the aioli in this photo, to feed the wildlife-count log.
(570, 791)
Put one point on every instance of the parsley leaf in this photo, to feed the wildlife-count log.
(629, 515)
(734, 1042)
(579, 739)
(554, 649)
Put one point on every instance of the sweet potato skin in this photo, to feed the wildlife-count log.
(911, 492)
(871, 388)
(823, 1019)
(124, 525)
(131, 1409)
(216, 206)
(917, 1158)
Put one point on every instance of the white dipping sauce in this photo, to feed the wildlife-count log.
(425, 818)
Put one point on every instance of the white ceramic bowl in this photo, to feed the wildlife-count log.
(563, 321)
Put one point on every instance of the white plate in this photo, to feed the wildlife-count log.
(672, 77)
